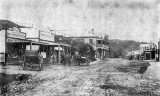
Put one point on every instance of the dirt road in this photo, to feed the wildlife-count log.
(101, 78)
(68, 81)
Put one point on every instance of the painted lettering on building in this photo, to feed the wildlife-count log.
(15, 40)
(16, 34)
(46, 36)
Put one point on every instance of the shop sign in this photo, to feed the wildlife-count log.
(16, 34)
(48, 36)
(15, 40)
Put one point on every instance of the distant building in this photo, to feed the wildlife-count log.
(148, 51)
(101, 49)
(158, 51)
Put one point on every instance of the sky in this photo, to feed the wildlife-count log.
(119, 19)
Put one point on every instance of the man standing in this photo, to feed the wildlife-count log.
(62, 58)
(53, 58)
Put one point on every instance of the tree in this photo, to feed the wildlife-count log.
(84, 49)
(87, 50)
(120, 47)
(75, 45)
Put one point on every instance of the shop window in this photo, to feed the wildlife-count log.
(91, 41)
(34, 47)
(43, 48)
(98, 41)
(82, 40)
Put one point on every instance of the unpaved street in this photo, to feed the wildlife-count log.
(101, 78)
(68, 81)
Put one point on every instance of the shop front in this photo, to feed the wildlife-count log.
(150, 55)
(15, 50)
(54, 50)
(47, 50)
(47, 47)
(13, 45)
(42, 41)
(57, 50)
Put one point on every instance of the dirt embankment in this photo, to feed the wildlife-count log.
(129, 81)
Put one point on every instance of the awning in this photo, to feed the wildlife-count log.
(63, 44)
(39, 43)
(49, 43)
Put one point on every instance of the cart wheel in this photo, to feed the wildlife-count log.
(88, 62)
(40, 66)
(23, 66)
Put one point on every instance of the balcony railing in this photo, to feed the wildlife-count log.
(103, 46)
(149, 49)
(99, 45)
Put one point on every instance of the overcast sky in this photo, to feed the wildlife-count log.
(120, 19)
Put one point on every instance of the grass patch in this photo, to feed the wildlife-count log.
(134, 67)
(126, 84)
(131, 91)
(6, 79)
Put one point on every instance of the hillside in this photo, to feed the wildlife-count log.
(121, 47)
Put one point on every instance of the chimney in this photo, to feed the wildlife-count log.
(92, 31)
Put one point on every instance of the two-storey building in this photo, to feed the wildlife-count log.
(101, 49)
(148, 50)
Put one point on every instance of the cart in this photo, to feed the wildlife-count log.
(32, 58)
(82, 60)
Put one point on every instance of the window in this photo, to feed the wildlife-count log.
(82, 40)
(99, 42)
(91, 41)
